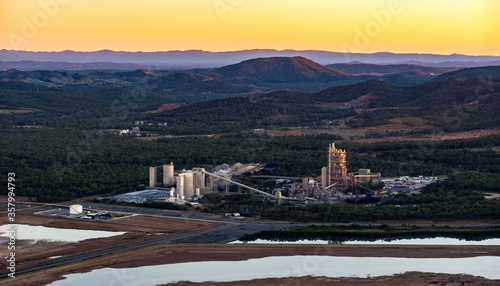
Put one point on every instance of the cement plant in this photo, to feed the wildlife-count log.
(332, 185)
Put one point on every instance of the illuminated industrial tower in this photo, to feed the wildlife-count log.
(337, 168)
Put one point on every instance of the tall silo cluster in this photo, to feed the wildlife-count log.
(188, 183)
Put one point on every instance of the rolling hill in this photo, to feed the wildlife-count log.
(163, 81)
(189, 83)
(373, 103)
(51, 78)
(380, 94)
(236, 114)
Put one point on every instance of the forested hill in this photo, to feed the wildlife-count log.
(240, 113)
(281, 69)
(50, 77)
(479, 72)
(186, 83)
(379, 94)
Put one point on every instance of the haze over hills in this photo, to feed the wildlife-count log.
(478, 72)
(454, 64)
(396, 74)
(198, 58)
(260, 73)
(361, 68)
(49, 77)
(255, 75)
(65, 66)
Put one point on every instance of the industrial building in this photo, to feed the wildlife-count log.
(334, 181)
(334, 178)
(337, 168)
(192, 184)
(365, 176)
(406, 185)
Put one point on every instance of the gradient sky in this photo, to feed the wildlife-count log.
(411, 26)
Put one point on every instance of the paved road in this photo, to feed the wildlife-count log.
(221, 218)
(196, 216)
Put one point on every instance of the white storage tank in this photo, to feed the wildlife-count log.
(75, 209)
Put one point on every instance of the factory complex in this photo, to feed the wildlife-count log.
(180, 186)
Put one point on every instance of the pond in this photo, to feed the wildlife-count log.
(284, 266)
(38, 233)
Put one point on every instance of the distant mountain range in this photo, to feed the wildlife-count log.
(204, 59)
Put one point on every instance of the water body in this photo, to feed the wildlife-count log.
(283, 266)
(411, 241)
(37, 233)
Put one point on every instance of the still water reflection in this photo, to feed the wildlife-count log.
(283, 266)
(37, 233)
(411, 241)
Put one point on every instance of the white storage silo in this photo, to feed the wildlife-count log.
(188, 185)
(152, 177)
(199, 178)
(168, 174)
(75, 209)
(180, 186)
(324, 177)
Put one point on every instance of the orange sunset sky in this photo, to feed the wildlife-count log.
(367, 26)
